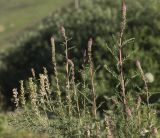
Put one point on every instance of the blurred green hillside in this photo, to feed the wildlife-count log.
(15, 15)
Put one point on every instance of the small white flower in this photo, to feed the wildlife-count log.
(149, 77)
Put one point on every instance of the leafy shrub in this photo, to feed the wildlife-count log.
(96, 19)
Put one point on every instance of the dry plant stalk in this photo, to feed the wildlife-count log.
(56, 72)
(22, 94)
(145, 85)
(127, 110)
(98, 130)
(33, 96)
(44, 100)
(84, 80)
(15, 96)
(66, 56)
(108, 128)
(46, 81)
(33, 73)
(90, 43)
(120, 47)
(45, 89)
(144, 79)
(68, 97)
(42, 86)
(74, 85)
